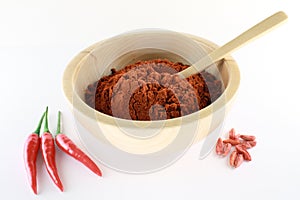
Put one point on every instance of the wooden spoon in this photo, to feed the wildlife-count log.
(234, 44)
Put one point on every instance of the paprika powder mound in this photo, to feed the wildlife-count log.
(151, 90)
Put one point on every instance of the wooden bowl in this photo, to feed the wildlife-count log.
(172, 134)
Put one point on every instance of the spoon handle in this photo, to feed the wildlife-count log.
(234, 44)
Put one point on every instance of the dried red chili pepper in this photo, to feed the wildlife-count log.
(219, 147)
(70, 148)
(232, 158)
(231, 141)
(48, 150)
(232, 135)
(252, 143)
(239, 160)
(31, 149)
(248, 137)
(226, 150)
(244, 152)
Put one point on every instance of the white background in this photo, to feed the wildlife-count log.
(39, 38)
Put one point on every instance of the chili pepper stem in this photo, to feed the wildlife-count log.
(38, 129)
(58, 130)
(46, 129)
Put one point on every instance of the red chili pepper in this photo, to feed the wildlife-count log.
(31, 149)
(48, 150)
(69, 147)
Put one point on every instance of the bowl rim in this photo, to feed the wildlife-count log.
(73, 67)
